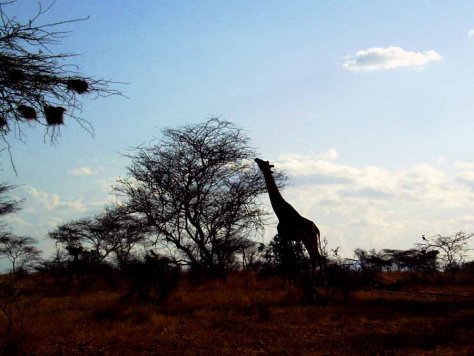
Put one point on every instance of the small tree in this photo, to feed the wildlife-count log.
(78, 236)
(453, 249)
(111, 233)
(197, 189)
(250, 252)
(19, 251)
(7, 206)
(282, 256)
(372, 261)
(122, 232)
(10, 245)
(415, 260)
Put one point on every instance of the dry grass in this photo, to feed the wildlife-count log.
(247, 315)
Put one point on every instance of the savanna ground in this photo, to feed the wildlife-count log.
(245, 314)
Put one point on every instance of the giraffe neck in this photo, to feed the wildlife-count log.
(281, 207)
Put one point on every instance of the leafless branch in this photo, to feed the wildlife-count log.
(37, 85)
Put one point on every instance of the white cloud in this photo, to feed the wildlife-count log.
(42, 211)
(466, 178)
(465, 175)
(377, 207)
(470, 33)
(417, 183)
(82, 171)
(329, 155)
(50, 201)
(464, 165)
(378, 58)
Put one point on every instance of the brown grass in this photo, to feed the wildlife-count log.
(248, 315)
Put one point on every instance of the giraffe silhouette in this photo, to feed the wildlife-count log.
(291, 225)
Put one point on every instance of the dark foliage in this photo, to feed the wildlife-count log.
(12, 333)
(20, 251)
(7, 205)
(152, 278)
(468, 267)
(111, 235)
(452, 249)
(282, 256)
(289, 258)
(412, 260)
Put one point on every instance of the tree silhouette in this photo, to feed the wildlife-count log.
(197, 188)
(7, 205)
(19, 251)
(453, 249)
(414, 260)
(112, 232)
(285, 256)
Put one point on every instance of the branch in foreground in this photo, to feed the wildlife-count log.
(37, 87)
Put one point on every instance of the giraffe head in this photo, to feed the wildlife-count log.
(264, 166)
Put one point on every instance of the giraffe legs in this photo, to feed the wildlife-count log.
(308, 235)
(314, 255)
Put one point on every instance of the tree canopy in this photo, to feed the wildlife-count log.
(197, 189)
(112, 233)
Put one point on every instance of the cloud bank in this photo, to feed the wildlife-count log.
(376, 207)
(42, 211)
(378, 58)
(82, 171)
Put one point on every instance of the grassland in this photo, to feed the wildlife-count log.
(242, 315)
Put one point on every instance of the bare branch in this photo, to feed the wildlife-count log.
(197, 189)
(37, 85)
(453, 248)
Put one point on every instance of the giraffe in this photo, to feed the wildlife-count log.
(291, 225)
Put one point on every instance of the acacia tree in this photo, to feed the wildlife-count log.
(123, 232)
(197, 189)
(453, 249)
(37, 85)
(19, 250)
(113, 232)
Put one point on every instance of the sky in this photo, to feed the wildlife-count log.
(367, 105)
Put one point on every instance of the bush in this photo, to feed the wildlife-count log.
(152, 278)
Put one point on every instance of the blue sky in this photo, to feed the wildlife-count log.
(367, 105)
